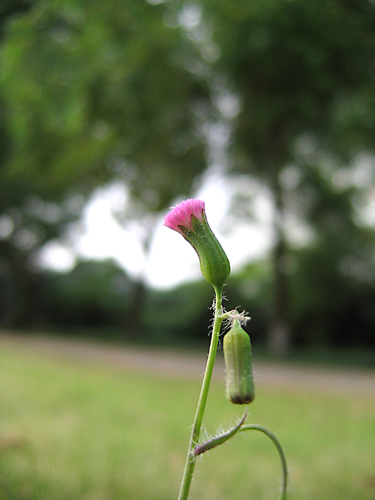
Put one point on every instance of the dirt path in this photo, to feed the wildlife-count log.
(178, 364)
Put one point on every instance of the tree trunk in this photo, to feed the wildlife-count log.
(134, 317)
(279, 335)
(279, 332)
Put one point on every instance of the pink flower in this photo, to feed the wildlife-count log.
(189, 219)
(180, 215)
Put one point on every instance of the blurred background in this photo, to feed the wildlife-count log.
(111, 112)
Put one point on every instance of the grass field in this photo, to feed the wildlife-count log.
(72, 430)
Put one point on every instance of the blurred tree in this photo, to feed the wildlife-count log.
(99, 91)
(303, 73)
(328, 277)
(179, 315)
(90, 92)
(19, 287)
(92, 295)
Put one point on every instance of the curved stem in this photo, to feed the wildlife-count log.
(191, 458)
(280, 451)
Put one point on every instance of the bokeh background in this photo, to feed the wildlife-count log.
(110, 113)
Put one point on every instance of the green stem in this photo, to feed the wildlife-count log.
(279, 449)
(191, 458)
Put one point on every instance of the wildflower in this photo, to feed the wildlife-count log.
(189, 219)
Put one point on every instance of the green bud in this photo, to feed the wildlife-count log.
(213, 261)
(189, 219)
(239, 374)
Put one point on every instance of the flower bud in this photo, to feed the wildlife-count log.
(189, 219)
(239, 374)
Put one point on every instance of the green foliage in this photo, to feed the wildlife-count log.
(93, 294)
(96, 91)
(331, 306)
(298, 67)
(251, 290)
(90, 92)
(181, 315)
(302, 72)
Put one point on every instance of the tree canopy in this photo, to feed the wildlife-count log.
(89, 93)
(101, 91)
(303, 73)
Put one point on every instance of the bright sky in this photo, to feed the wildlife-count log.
(172, 260)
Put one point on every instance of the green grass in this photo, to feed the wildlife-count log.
(71, 430)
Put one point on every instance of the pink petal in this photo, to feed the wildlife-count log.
(180, 215)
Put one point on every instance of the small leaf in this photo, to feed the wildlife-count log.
(216, 441)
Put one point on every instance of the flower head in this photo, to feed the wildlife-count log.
(180, 215)
(189, 219)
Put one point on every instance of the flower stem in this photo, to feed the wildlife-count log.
(191, 458)
(273, 438)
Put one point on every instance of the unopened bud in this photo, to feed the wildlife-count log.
(239, 374)
(189, 219)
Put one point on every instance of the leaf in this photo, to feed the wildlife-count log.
(216, 441)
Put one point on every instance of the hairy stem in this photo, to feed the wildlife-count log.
(197, 425)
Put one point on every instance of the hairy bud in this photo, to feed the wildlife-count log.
(189, 219)
(239, 374)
